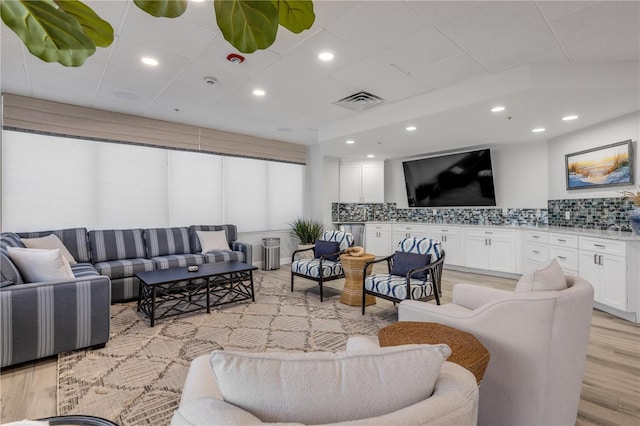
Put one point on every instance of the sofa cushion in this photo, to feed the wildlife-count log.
(9, 273)
(50, 242)
(223, 256)
(125, 267)
(38, 265)
(213, 240)
(230, 230)
(164, 241)
(403, 262)
(396, 286)
(311, 268)
(548, 277)
(321, 387)
(178, 260)
(116, 244)
(74, 239)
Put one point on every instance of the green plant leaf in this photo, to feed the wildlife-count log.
(163, 8)
(98, 30)
(296, 15)
(248, 25)
(47, 31)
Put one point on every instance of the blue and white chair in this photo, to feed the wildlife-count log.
(415, 272)
(325, 265)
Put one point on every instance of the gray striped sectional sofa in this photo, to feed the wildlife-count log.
(46, 318)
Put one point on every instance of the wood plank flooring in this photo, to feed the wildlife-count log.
(610, 390)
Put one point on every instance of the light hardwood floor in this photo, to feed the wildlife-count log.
(610, 390)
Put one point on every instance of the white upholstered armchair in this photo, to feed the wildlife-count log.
(538, 343)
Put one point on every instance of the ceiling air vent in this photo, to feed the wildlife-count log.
(359, 101)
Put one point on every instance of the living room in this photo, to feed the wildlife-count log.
(105, 100)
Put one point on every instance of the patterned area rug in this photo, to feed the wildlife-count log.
(137, 378)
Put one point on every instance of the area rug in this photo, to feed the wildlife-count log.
(137, 378)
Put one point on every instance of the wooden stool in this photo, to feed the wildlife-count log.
(353, 268)
(466, 350)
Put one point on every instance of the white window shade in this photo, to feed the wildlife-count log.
(286, 192)
(245, 193)
(133, 186)
(195, 189)
(47, 182)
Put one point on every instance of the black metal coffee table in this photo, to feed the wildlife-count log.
(168, 292)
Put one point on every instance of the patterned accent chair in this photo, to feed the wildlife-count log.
(415, 270)
(324, 266)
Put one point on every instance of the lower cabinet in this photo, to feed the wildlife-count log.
(489, 248)
(451, 239)
(401, 231)
(377, 239)
(604, 264)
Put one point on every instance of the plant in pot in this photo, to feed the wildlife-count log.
(634, 214)
(306, 231)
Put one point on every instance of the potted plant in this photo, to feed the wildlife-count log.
(634, 214)
(306, 231)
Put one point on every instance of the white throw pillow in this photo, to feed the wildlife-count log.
(213, 240)
(325, 387)
(549, 276)
(38, 265)
(50, 242)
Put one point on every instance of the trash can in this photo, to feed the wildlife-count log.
(270, 253)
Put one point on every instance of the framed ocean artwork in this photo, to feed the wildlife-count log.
(608, 165)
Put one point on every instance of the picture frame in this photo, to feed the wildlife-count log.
(604, 166)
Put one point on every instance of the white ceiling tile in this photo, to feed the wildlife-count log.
(420, 49)
(127, 53)
(392, 21)
(178, 36)
(62, 94)
(519, 47)
(616, 23)
(490, 20)
(202, 14)
(124, 107)
(63, 82)
(555, 9)
(217, 50)
(436, 12)
(450, 71)
(13, 72)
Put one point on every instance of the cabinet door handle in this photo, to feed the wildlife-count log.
(535, 237)
(602, 246)
(562, 258)
(488, 232)
(599, 260)
(536, 251)
(595, 259)
(561, 241)
(445, 237)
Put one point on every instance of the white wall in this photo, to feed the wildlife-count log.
(519, 173)
(615, 130)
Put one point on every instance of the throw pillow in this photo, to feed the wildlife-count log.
(549, 276)
(38, 265)
(50, 242)
(321, 387)
(326, 247)
(403, 262)
(213, 240)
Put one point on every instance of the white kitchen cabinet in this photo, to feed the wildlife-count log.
(378, 239)
(603, 263)
(564, 248)
(362, 182)
(451, 239)
(490, 248)
(400, 231)
(536, 249)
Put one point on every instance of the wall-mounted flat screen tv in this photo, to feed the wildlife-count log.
(455, 180)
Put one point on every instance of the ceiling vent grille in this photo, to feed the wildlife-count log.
(360, 101)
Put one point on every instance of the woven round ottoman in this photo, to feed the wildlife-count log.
(466, 350)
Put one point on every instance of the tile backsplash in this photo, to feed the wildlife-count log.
(588, 213)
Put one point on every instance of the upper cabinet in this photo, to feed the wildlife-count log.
(362, 182)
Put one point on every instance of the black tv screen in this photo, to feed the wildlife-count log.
(453, 180)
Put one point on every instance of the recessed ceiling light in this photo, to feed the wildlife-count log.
(149, 61)
(325, 56)
(411, 128)
(497, 109)
(370, 156)
(350, 142)
(259, 92)
(538, 129)
(198, 1)
(569, 117)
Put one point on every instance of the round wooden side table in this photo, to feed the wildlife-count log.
(353, 274)
(466, 349)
